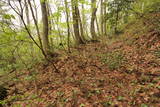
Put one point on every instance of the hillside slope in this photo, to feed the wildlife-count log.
(123, 73)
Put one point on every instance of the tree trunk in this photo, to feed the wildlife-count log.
(27, 12)
(68, 26)
(117, 19)
(93, 17)
(84, 21)
(102, 17)
(49, 20)
(76, 22)
(97, 26)
(36, 25)
(45, 40)
(36, 10)
(81, 26)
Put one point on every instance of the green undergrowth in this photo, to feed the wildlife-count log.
(145, 26)
(113, 60)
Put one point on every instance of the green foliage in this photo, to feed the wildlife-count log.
(17, 52)
(144, 105)
(84, 2)
(122, 12)
(120, 98)
(8, 16)
(82, 105)
(107, 103)
(118, 13)
(146, 6)
(113, 60)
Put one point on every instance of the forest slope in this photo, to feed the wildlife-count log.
(123, 73)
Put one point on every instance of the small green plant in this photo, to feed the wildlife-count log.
(144, 105)
(120, 98)
(106, 103)
(82, 105)
(114, 59)
(157, 53)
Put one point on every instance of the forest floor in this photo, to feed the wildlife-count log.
(124, 73)
(86, 81)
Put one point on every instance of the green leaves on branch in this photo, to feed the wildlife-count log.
(8, 16)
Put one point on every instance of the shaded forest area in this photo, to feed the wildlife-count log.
(79, 53)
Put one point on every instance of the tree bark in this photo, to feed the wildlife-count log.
(97, 26)
(76, 22)
(49, 20)
(102, 17)
(81, 26)
(27, 12)
(93, 17)
(68, 26)
(36, 10)
(117, 19)
(45, 40)
(84, 22)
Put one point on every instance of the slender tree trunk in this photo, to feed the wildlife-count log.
(28, 23)
(59, 31)
(49, 20)
(117, 18)
(76, 22)
(84, 21)
(68, 26)
(81, 26)
(36, 10)
(36, 25)
(97, 26)
(102, 18)
(45, 40)
(27, 12)
(93, 17)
